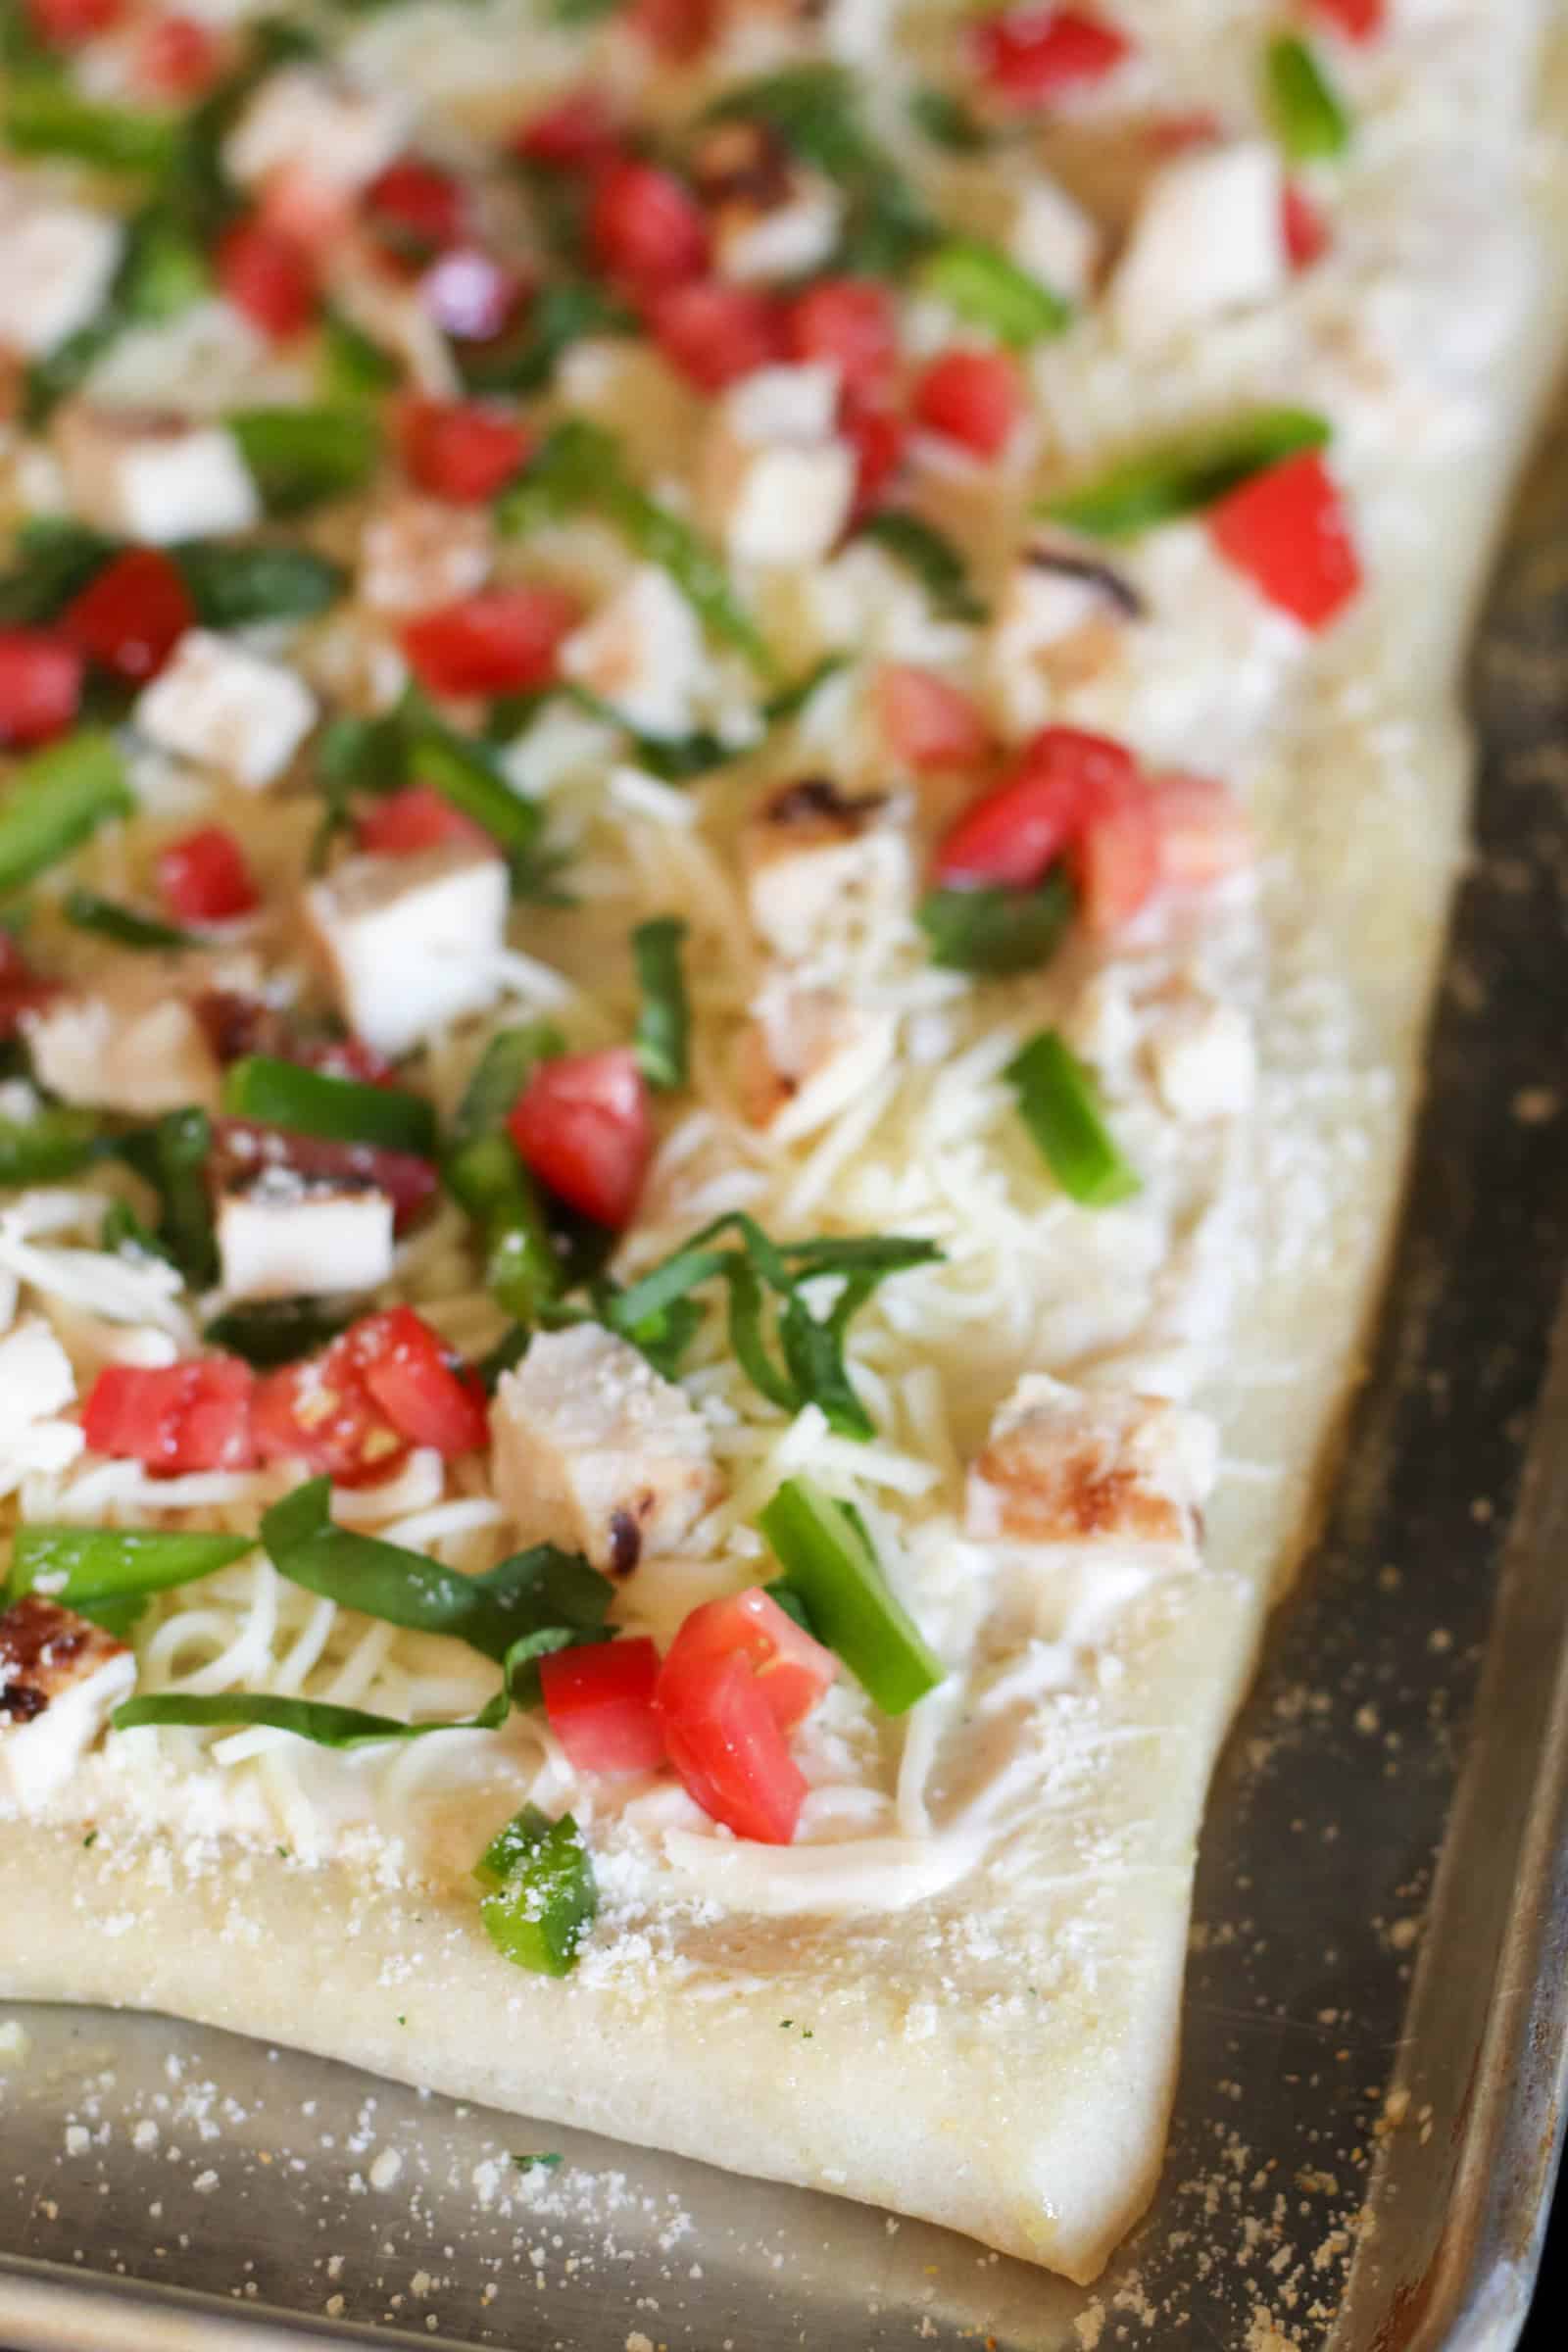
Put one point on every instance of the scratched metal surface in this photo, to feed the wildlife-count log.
(1383, 1902)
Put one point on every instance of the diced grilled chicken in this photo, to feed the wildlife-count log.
(220, 704)
(1065, 1465)
(777, 483)
(769, 216)
(61, 1677)
(596, 1452)
(281, 1235)
(411, 942)
(416, 553)
(643, 652)
(56, 264)
(1208, 238)
(140, 1050)
(808, 1054)
(343, 135)
(36, 1385)
(815, 857)
(152, 475)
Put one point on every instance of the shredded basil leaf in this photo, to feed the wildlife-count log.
(356, 366)
(313, 1719)
(536, 1590)
(270, 1332)
(997, 931)
(947, 122)
(89, 910)
(42, 114)
(932, 558)
(56, 559)
(664, 1021)
(807, 1367)
(235, 586)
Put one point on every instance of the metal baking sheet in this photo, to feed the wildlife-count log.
(1371, 2097)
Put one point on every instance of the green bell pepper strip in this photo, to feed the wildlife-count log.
(55, 800)
(1182, 477)
(988, 290)
(1057, 1104)
(1311, 119)
(827, 1557)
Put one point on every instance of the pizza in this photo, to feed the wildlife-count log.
(729, 786)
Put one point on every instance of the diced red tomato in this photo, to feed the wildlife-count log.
(599, 1698)
(851, 322)
(205, 877)
(879, 438)
(1287, 529)
(21, 989)
(321, 1413)
(792, 1669)
(928, 722)
(177, 57)
(470, 295)
(429, 1396)
(972, 397)
(1203, 834)
(1010, 837)
(133, 614)
(416, 818)
(417, 207)
(570, 134)
(1030, 55)
(1304, 228)
(646, 226)
(243, 1144)
(40, 685)
(269, 276)
(176, 1418)
(582, 1124)
(499, 640)
(1115, 856)
(729, 1754)
(66, 23)
(739, 1672)
(1358, 20)
(458, 450)
(714, 334)
(678, 30)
